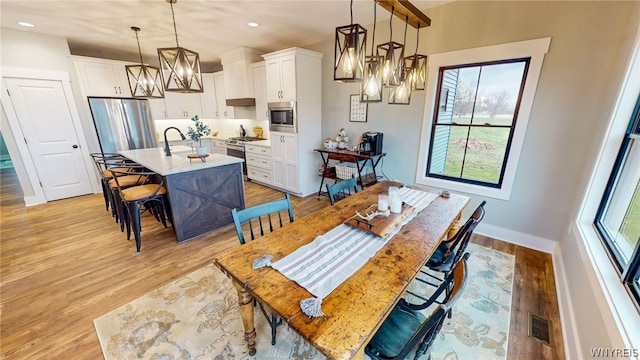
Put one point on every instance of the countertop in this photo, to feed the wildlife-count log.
(155, 160)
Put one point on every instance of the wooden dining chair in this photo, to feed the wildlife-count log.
(407, 327)
(258, 212)
(342, 189)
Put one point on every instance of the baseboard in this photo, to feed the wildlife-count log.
(34, 200)
(572, 347)
(517, 238)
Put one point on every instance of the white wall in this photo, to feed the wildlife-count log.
(24, 49)
(575, 93)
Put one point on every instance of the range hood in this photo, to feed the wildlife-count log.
(238, 76)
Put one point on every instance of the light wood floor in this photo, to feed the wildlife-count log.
(66, 263)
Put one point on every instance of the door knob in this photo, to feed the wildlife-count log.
(75, 146)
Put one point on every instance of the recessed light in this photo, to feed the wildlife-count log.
(25, 24)
(253, 24)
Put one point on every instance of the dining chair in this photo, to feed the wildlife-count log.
(150, 197)
(342, 189)
(407, 328)
(449, 252)
(258, 212)
(249, 215)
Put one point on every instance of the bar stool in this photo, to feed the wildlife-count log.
(104, 162)
(134, 200)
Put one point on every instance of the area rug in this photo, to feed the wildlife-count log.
(197, 317)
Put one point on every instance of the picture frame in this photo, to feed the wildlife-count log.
(357, 110)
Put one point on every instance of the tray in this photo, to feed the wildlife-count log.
(196, 156)
(380, 226)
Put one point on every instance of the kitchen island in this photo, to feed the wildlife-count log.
(201, 193)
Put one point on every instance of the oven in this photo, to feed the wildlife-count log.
(237, 150)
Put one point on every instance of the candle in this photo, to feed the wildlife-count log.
(383, 202)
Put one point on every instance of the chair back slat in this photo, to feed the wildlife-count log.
(247, 215)
(345, 187)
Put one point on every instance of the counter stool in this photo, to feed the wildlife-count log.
(152, 197)
(104, 162)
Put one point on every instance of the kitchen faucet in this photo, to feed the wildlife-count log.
(167, 150)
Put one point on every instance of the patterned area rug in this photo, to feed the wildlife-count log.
(196, 317)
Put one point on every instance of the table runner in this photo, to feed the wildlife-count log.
(331, 258)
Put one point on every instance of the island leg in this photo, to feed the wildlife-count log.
(246, 312)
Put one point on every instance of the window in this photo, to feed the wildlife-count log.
(476, 114)
(470, 138)
(618, 217)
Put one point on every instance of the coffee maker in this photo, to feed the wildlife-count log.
(371, 143)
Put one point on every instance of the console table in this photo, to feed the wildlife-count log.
(361, 159)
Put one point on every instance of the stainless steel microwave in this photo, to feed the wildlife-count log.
(283, 117)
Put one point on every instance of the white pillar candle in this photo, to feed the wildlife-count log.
(383, 202)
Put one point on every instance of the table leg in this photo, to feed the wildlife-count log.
(246, 312)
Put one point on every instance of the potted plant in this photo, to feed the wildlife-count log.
(196, 133)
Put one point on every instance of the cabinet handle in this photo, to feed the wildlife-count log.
(115, 89)
(119, 90)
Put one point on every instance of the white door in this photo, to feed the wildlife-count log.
(46, 122)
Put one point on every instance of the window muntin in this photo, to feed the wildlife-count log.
(618, 218)
(474, 122)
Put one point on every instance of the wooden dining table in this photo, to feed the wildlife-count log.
(358, 306)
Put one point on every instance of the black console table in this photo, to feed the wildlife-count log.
(361, 159)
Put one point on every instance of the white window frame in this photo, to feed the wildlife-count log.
(536, 49)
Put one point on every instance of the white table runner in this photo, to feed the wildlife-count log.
(322, 265)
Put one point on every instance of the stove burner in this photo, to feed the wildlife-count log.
(246, 138)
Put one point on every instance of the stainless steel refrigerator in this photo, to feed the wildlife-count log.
(123, 124)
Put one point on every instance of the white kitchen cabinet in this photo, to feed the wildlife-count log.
(260, 90)
(281, 78)
(158, 109)
(284, 149)
(296, 75)
(259, 163)
(219, 146)
(99, 77)
(182, 105)
(208, 98)
(224, 111)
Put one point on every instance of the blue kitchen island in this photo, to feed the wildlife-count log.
(201, 193)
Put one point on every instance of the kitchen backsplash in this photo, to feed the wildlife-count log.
(226, 127)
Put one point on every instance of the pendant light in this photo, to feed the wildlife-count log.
(401, 94)
(144, 81)
(350, 51)
(418, 65)
(180, 66)
(371, 87)
(393, 54)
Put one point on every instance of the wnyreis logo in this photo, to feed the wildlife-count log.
(615, 352)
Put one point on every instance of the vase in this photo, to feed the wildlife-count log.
(201, 150)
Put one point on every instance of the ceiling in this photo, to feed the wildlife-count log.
(102, 28)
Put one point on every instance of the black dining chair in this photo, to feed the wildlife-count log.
(342, 189)
(261, 214)
(407, 328)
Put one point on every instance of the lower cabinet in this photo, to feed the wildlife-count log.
(284, 148)
(259, 163)
(218, 147)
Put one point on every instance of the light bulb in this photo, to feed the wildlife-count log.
(372, 86)
(349, 64)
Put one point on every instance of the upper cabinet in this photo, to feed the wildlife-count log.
(281, 77)
(260, 90)
(102, 77)
(182, 105)
(208, 98)
(224, 111)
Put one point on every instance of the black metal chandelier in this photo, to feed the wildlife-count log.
(371, 88)
(350, 51)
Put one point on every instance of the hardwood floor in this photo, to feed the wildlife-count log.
(66, 263)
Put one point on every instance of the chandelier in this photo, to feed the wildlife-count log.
(180, 66)
(144, 81)
(350, 51)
